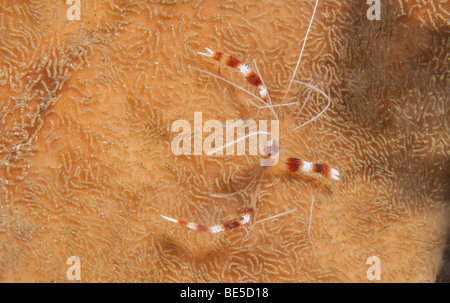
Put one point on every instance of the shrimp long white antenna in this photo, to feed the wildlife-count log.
(276, 216)
(272, 106)
(322, 93)
(301, 52)
(215, 150)
(304, 103)
(310, 218)
(277, 105)
(235, 85)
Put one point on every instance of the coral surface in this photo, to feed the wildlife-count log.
(86, 166)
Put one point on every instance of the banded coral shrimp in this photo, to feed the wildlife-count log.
(271, 152)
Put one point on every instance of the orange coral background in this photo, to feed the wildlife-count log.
(86, 166)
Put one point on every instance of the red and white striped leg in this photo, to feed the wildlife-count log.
(216, 228)
(244, 69)
(295, 164)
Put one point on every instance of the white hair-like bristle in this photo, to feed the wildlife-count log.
(216, 229)
(245, 219)
(244, 69)
(192, 226)
(334, 174)
(263, 91)
(307, 167)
